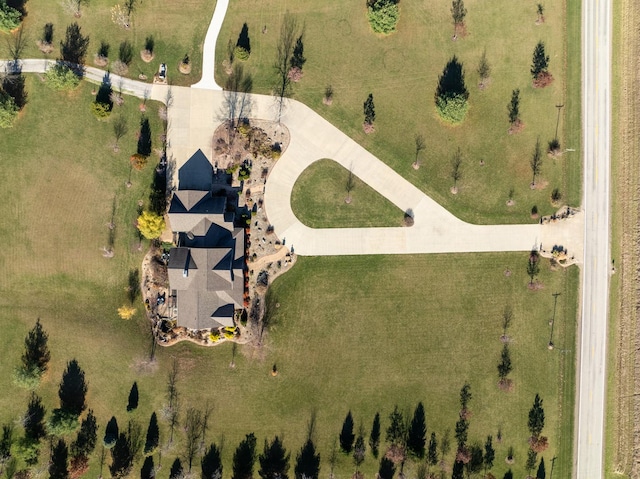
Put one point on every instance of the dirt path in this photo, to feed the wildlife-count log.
(625, 405)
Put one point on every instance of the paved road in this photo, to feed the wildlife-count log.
(596, 66)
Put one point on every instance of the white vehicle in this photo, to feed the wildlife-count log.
(162, 72)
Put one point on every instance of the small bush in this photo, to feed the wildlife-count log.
(241, 54)
(138, 161)
(214, 336)
(103, 51)
(47, 34)
(101, 110)
(62, 422)
(149, 44)
(383, 15)
(556, 196)
(61, 77)
(8, 110)
(26, 378)
(452, 109)
(126, 312)
(9, 17)
(554, 147)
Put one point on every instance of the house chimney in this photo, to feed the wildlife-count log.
(185, 271)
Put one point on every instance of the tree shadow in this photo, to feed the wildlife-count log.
(104, 91)
(243, 39)
(18, 5)
(13, 85)
(451, 82)
(112, 225)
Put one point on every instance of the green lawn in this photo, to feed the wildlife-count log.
(178, 28)
(402, 70)
(318, 200)
(350, 333)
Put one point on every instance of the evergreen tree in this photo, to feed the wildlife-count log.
(148, 471)
(153, 435)
(87, 437)
(297, 59)
(504, 366)
(176, 471)
(462, 431)
(476, 460)
(484, 69)
(540, 62)
(274, 460)
(121, 457)
(74, 47)
(307, 462)
(346, 435)
(244, 458)
(59, 465)
(465, 397)
(536, 417)
(536, 162)
(489, 453)
(417, 437)
(458, 12)
(133, 397)
(144, 140)
(211, 464)
(396, 431)
(358, 452)
(36, 351)
(458, 470)
(369, 110)
(532, 459)
(387, 469)
(374, 437)
(514, 107)
(110, 433)
(34, 428)
(542, 473)
(432, 454)
(73, 389)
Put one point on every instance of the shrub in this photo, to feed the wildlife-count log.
(62, 422)
(47, 34)
(8, 110)
(214, 336)
(126, 312)
(241, 54)
(554, 147)
(9, 17)
(26, 378)
(383, 15)
(28, 450)
(149, 44)
(100, 110)
(150, 224)
(138, 161)
(556, 196)
(103, 51)
(452, 109)
(61, 77)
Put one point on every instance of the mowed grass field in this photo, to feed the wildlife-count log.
(359, 333)
(402, 72)
(178, 28)
(318, 200)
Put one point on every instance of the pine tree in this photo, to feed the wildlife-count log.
(244, 458)
(176, 471)
(465, 397)
(121, 457)
(34, 428)
(59, 466)
(540, 62)
(458, 470)
(110, 433)
(532, 459)
(458, 12)
(211, 463)
(387, 469)
(374, 437)
(514, 107)
(536, 417)
(133, 397)
(432, 453)
(153, 435)
(504, 366)
(417, 437)
(148, 470)
(396, 431)
(297, 59)
(369, 110)
(358, 452)
(307, 462)
(74, 47)
(346, 435)
(274, 460)
(87, 437)
(73, 389)
(36, 354)
(484, 69)
(542, 473)
(489, 453)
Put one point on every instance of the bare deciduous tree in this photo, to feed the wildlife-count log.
(420, 145)
(507, 318)
(120, 129)
(456, 172)
(237, 102)
(350, 185)
(284, 50)
(536, 162)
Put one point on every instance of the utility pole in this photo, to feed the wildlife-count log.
(559, 107)
(553, 320)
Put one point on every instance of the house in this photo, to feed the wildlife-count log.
(206, 268)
